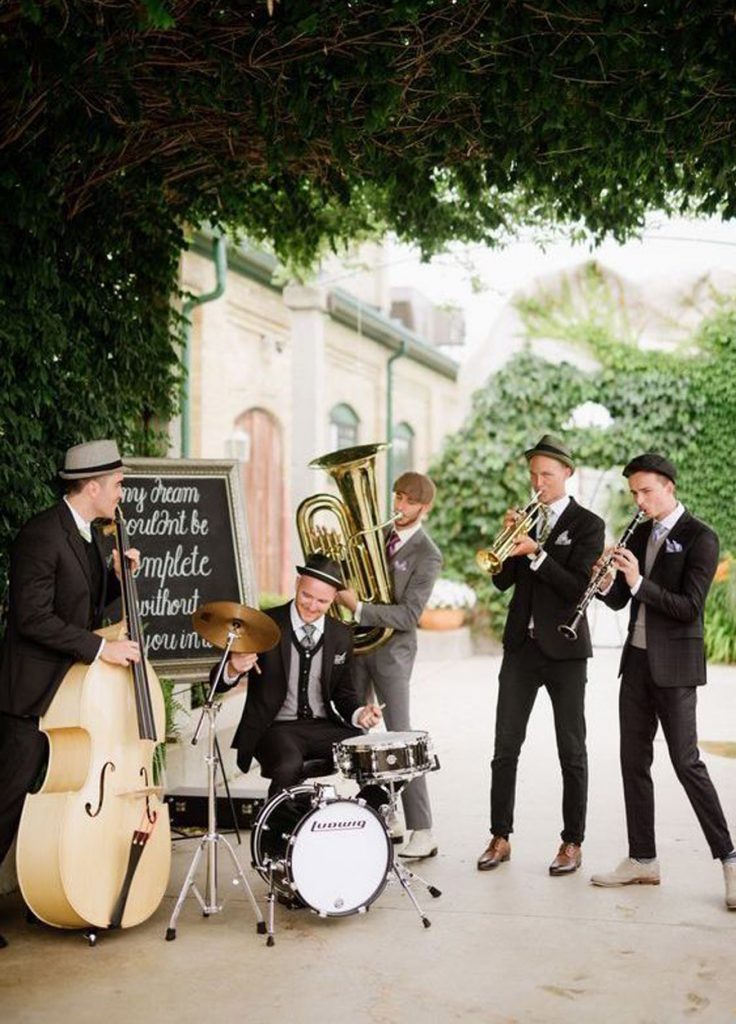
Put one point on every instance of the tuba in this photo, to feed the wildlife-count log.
(357, 543)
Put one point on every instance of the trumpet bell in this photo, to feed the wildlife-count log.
(488, 561)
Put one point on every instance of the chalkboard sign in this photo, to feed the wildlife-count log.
(187, 518)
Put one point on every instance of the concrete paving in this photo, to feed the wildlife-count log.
(509, 947)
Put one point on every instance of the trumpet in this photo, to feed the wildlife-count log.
(491, 559)
(570, 629)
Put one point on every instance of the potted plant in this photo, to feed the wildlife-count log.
(447, 605)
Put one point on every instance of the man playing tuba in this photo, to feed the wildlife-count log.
(414, 563)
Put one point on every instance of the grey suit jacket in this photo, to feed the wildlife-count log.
(414, 568)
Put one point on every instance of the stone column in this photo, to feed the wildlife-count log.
(309, 415)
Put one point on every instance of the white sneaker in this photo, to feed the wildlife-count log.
(422, 844)
(633, 872)
(729, 875)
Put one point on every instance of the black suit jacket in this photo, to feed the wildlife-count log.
(551, 593)
(52, 610)
(267, 691)
(674, 595)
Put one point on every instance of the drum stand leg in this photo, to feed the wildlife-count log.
(406, 877)
(210, 842)
(271, 900)
(403, 874)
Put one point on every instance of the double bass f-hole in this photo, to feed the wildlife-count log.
(150, 815)
(101, 798)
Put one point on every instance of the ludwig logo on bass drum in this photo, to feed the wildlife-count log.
(333, 826)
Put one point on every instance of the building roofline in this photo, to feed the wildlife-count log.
(341, 306)
(368, 321)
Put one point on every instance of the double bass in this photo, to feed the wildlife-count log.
(94, 844)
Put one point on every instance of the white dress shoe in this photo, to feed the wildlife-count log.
(729, 875)
(422, 844)
(633, 872)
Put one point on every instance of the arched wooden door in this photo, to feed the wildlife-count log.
(263, 483)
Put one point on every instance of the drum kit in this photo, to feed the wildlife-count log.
(314, 848)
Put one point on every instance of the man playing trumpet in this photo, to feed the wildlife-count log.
(548, 571)
(665, 573)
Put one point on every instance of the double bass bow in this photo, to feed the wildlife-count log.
(94, 844)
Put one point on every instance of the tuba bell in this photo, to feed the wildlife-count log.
(357, 543)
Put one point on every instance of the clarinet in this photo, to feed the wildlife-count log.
(570, 629)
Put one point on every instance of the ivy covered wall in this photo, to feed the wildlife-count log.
(679, 403)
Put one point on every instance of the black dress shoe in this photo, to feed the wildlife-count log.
(3, 942)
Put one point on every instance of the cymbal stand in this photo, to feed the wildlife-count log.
(211, 841)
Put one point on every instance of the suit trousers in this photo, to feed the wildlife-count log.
(642, 704)
(523, 671)
(285, 746)
(23, 751)
(392, 689)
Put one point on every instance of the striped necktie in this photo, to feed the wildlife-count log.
(545, 524)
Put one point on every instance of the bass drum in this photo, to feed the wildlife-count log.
(329, 853)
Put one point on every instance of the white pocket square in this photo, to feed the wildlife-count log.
(340, 658)
(564, 538)
(671, 547)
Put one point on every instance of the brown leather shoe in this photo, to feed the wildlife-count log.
(569, 858)
(497, 852)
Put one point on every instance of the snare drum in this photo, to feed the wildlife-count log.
(330, 853)
(385, 756)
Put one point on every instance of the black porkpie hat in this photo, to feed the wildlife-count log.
(651, 462)
(320, 567)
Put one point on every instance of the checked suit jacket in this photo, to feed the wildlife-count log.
(674, 594)
(52, 610)
(267, 691)
(551, 593)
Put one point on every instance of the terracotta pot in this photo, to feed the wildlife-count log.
(442, 618)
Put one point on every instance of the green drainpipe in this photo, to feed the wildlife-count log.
(219, 255)
(390, 423)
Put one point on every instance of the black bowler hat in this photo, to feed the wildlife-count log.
(651, 462)
(322, 568)
(553, 448)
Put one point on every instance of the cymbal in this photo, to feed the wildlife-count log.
(255, 632)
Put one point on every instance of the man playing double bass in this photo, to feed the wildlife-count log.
(60, 583)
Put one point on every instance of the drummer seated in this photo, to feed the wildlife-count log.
(301, 698)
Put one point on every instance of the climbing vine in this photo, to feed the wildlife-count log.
(682, 403)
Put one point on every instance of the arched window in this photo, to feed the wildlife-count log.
(257, 443)
(344, 425)
(403, 449)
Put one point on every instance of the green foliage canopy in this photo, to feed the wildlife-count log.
(305, 123)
